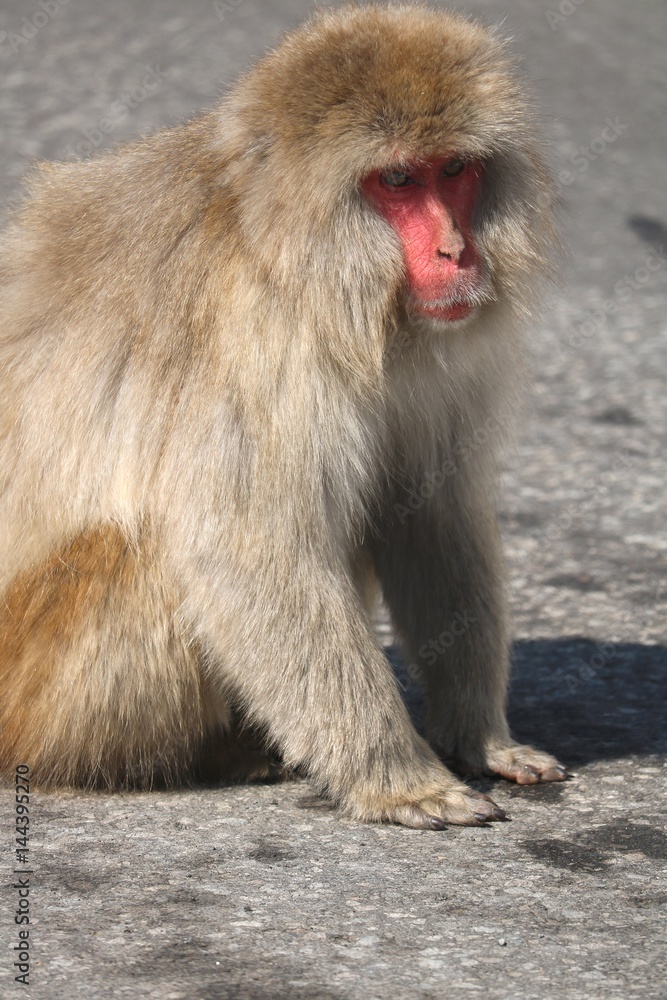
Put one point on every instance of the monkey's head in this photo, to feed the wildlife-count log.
(391, 146)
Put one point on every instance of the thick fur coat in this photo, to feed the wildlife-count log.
(215, 411)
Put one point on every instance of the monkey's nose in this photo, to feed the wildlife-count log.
(451, 246)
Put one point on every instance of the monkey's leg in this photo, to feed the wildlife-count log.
(441, 570)
(97, 684)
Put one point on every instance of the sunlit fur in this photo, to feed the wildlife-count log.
(214, 409)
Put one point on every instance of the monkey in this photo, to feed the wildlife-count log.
(251, 367)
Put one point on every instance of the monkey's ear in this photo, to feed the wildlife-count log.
(237, 134)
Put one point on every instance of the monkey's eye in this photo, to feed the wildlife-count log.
(396, 179)
(453, 168)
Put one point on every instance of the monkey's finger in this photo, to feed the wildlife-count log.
(526, 766)
(526, 774)
(497, 812)
(416, 818)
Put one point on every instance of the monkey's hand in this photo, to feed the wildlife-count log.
(430, 805)
(523, 764)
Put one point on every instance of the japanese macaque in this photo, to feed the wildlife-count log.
(248, 366)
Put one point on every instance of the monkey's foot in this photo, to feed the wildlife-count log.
(433, 808)
(524, 764)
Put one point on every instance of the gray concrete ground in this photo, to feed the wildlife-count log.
(264, 892)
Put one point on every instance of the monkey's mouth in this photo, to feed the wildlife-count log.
(466, 294)
(446, 313)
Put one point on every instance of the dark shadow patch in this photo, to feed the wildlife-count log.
(594, 848)
(581, 700)
(313, 801)
(587, 701)
(563, 854)
(546, 791)
(649, 230)
(66, 880)
(619, 415)
(649, 901)
(581, 582)
(251, 976)
(626, 836)
(271, 852)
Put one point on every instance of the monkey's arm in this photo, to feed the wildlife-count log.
(440, 564)
(289, 642)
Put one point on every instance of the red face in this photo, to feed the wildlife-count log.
(430, 206)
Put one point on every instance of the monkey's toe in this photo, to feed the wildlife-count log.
(525, 765)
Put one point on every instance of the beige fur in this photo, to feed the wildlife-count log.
(214, 407)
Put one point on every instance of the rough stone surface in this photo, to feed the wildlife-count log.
(264, 892)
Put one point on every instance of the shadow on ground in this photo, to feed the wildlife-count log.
(581, 700)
